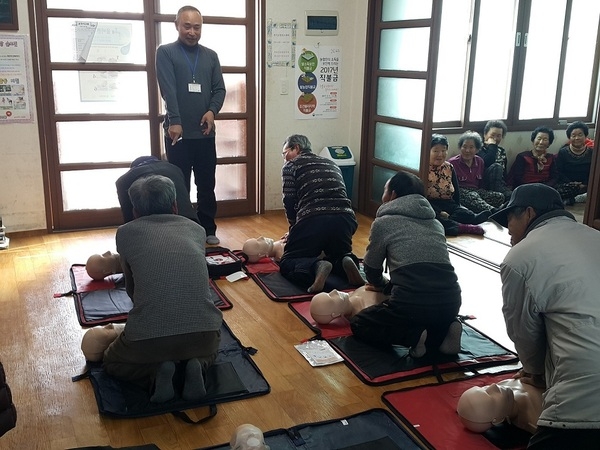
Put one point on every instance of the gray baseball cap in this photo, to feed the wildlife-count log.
(537, 195)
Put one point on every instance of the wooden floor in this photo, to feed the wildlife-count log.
(39, 347)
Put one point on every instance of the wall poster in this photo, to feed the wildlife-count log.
(15, 88)
(318, 82)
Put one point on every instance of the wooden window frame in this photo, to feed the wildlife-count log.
(514, 101)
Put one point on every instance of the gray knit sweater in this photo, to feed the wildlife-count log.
(406, 234)
(166, 276)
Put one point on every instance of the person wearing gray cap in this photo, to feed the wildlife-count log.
(550, 288)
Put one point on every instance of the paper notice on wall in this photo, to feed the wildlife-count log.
(15, 88)
(102, 42)
(281, 43)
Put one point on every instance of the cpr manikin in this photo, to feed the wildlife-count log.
(511, 400)
(97, 339)
(327, 306)
(100, 266)
(248, 437)
(263, 247)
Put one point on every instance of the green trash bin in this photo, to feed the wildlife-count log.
(343, 157)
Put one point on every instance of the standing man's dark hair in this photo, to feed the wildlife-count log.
(192, 86)
(184, 9)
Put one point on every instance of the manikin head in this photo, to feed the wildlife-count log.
(325, 307)
(481, 407)
(100, 266)
(248, 437)
(97, 339)
(257, 249)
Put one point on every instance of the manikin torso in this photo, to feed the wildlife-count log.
(326, 306)
(512, 400)
(262, 247)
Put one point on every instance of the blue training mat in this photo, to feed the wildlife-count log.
(375, 429)
(106, 301)
(233, 376)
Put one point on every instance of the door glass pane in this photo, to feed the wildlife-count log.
(405, 10)
(94, 142)
(579, 63)
(104, 41)
(231, 138)
(229, 41)
(404, 49)
(135, 6)
(452, 60)
(398, 145)
(401, 98)
(100, 92)
(544, 41)
(90, 189)
(222, 8)
(380, 177)
(231, 182)
(235, 100)
(495, 42)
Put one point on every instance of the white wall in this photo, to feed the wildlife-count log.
(21, 189)
(280, 117)
(22, 194)
(22, 205)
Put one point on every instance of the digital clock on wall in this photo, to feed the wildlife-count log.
(322, 23)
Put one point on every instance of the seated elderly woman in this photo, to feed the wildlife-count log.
(444, 195)
(470, 168)
(494, 157)
(535, 165)
(573, 163)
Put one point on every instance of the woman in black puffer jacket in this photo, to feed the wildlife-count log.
(8, 412)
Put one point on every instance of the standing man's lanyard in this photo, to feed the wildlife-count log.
(193, 86)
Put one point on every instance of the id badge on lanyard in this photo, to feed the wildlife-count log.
(193, 86)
